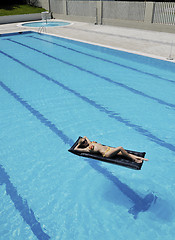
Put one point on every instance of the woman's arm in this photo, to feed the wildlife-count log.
(77, 147)
(87, 139)
(81, 149)
(86, 149)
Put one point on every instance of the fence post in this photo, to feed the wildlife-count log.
(149, 12)
(99, 12)
(65, 10)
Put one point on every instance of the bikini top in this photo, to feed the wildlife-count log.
(91, 147)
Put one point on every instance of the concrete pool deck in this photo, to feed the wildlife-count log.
(145, 42)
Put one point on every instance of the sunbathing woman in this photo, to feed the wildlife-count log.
(85, 145)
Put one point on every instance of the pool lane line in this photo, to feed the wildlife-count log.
(38, 115)
(103, 59)
(22, 206)
(140, 204)
(109, 113)
(137, 92)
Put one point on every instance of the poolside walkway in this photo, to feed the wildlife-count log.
(151, 43)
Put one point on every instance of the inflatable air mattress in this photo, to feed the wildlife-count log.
(119, 160)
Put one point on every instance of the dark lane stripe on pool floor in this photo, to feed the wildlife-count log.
(111, 114)
(104, 60)
(99, 76)
(22, 206)
(140, 204)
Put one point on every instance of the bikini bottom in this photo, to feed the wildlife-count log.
(107, 150)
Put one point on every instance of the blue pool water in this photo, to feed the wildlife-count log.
(51, 91)
(45, 24)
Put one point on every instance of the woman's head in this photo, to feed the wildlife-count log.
(83, 142)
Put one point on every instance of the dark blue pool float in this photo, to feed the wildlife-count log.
(119, 160)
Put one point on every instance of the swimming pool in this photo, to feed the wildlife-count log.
(46, 24)
(52, 90)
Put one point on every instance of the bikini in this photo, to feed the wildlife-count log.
(91, 148)
(107, 150)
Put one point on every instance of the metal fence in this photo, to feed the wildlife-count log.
(57, 6)
(124, 10)
(81, 8)
(111, 9)
(145, 12)
(164, 13)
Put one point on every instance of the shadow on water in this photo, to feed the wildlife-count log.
(140, 204)
(22, 206)
(161, 209)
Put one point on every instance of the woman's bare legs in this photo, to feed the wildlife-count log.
(123, 152)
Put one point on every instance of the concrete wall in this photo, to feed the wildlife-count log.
(20, 18)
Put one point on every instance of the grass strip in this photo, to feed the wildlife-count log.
(18, 9)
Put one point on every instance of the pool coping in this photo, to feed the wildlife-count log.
(73, 25)
(111, 47)
(53, 20)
